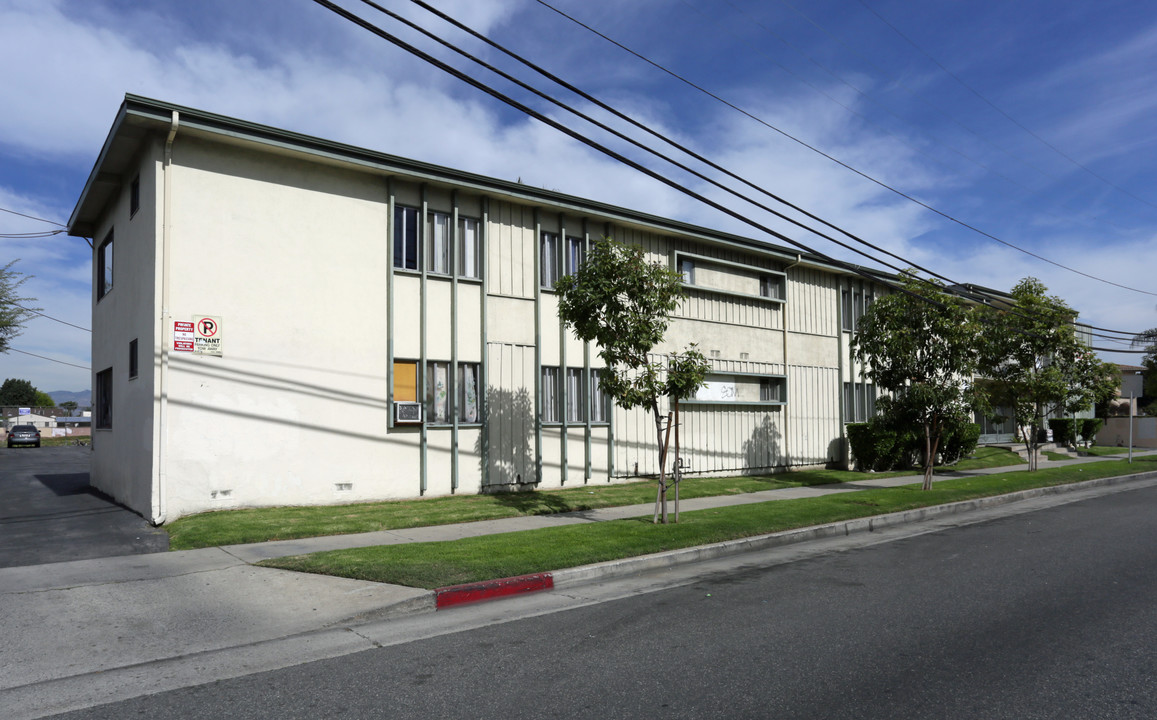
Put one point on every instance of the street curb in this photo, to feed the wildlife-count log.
(491, 589)
(569, 577)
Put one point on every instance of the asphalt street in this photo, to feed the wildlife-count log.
(1042, 614)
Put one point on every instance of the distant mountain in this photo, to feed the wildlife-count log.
(83, 399)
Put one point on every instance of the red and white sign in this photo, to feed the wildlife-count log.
(182, 336)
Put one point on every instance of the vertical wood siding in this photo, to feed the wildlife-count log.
(813, 407)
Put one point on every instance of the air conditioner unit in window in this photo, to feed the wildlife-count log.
(407, 413)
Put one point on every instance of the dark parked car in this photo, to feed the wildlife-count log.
(23, 435)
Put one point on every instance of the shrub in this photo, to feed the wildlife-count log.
(877, 445)
(958, 441)
(1090, 427)
(1065, 430)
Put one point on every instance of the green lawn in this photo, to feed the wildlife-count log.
(432, 565)
(232, 527)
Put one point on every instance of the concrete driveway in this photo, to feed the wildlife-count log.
(48, 512)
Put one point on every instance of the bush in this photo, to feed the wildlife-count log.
(957, 441)
(1065, 430)
(881, 446)
(1090, 427)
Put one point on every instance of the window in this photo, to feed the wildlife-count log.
(102, 400)
(550, 395)
(405, 381)
(468, 247)
(575, 254)
(859, 402)
(772, 286)
(576, 397)
(438, 243)
(468, 411)
(772, 389)
(846, 310)
(104, 267)
(135, 196)
(438, 411)
(854, 303)
(405, 237)
(133, 366)
(600, 401)
(548, 250)
(687, 269)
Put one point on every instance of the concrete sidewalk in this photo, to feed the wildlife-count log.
(82, 619)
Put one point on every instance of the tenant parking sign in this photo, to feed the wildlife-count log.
(207, 335)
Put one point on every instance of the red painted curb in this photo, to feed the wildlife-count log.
(490, 589)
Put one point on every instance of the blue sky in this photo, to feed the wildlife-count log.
(1031, 121)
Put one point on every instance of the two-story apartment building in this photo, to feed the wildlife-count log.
(279, 319)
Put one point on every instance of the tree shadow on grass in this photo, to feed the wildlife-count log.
(537, 502)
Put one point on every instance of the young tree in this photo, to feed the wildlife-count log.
(623, 303)
(14, 310)
(70, 406)
(1036, 364)
(1148, 341)
(920, 345)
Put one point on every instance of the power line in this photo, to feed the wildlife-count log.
(42, 357)
(834, 159)
(37, 312)
(1010, 118)
(958, 289)
(865, 272)
(33, 217)
(30, 235)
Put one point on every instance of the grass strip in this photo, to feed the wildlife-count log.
(437, 564)
(234, 527)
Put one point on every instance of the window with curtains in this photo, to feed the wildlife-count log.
(438, 243)
(405, 237)
(576, 397)
(468, 239)
(550, 395)
(600, 401)
(548, 260)
(438, 393)
(468, 406)
(575, 254)
(687, 270)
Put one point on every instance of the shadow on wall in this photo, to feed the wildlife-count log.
(762, 449)
(510, 423)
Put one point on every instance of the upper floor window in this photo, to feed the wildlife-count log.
(687, 270)
(468, 239)
(405, 237)
(134, 364)
(575, 254)
(548, 260)
(135, 195)
(854, 303)
(772, 286)
(104, 267)
(438, 243)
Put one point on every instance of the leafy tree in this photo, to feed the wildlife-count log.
(623, 303)
(920, 345)
(17, 393)
(70, 406)
(14, 309)
(43, 400)
(1036, 365)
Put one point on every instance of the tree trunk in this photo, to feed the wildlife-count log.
(661, 491)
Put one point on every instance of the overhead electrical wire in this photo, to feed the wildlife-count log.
(37, 312)
(380, 32)
(32, 217)
(862, 174)
(44, 357)
(1008, 117)
(958, 289)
